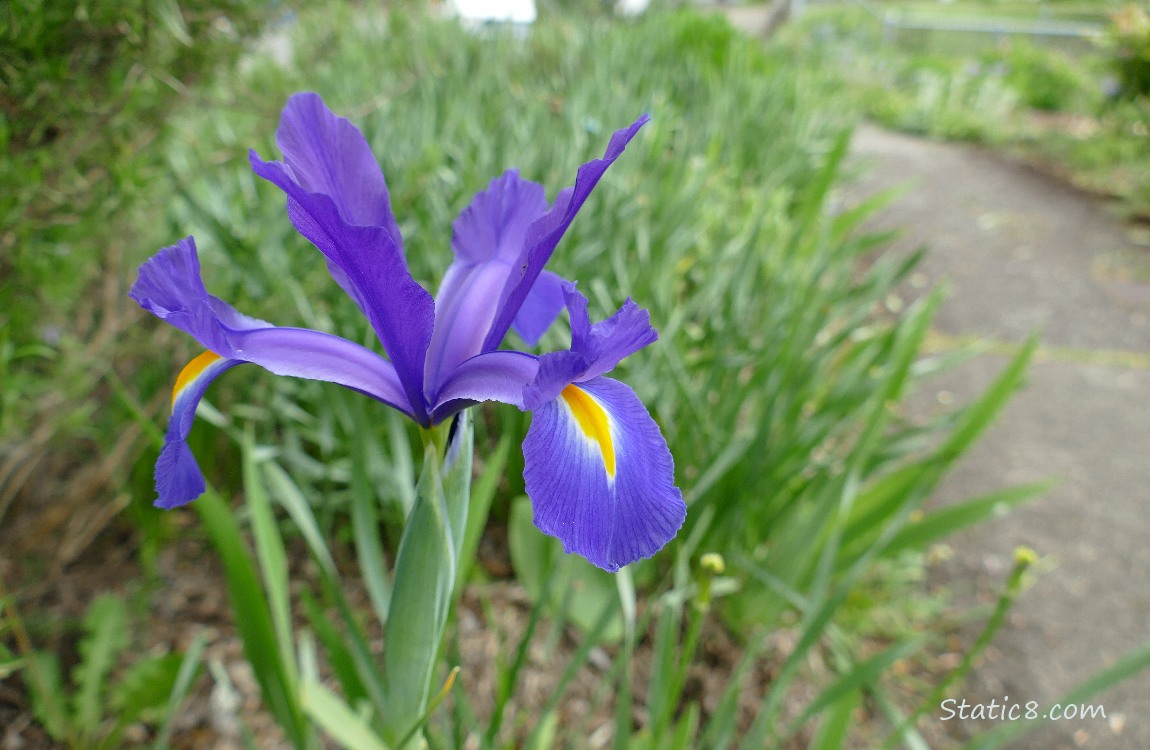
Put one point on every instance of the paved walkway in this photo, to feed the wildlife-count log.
(1020, 252)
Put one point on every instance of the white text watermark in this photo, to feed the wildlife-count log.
(956, 708)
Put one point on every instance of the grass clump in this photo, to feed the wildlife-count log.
(87, 88)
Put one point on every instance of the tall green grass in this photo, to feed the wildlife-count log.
(777, 379)
(86, 87)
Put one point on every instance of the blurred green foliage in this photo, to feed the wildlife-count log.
(85, 89)
(1045, 79)
(94, 708)
(1056, 103)
(1129, 39)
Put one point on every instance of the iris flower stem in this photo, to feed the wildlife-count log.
(436, 436)
(425, 573)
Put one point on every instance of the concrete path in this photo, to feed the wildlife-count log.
(1020, 252)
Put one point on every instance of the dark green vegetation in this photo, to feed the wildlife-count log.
(86, 89)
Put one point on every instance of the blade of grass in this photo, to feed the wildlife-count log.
(860, 677)
(336, 718)
(941, 523)
(339, 656)
(105, 636)
(253, 619)
(365, 526)
(189, 667)
(365, 662)
(482, 493)
(1023, 559)
(574, 664)
(508, 678)
(686, 729)
(623, 695)
(1134, 662)
(836, 723)
(272, 559)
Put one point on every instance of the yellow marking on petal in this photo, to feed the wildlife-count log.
(193, 370)
(593, 420)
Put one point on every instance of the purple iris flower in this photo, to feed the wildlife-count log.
(597, 468)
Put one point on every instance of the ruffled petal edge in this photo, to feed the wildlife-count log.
(600, 475)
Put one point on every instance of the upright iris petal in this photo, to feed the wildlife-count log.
(545, 234)
(596, 466)
(488, 239)
(338, 199)
(595, 349)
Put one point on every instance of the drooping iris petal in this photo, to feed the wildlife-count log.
(314, 355)
(600, 476)
(169, 286)
(328, 154)
(487, 239)
(178, 476)
(545, 233)
(595, 349)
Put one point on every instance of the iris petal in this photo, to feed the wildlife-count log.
(610, 519)
(608, 342)
(594, 423)
(545, 233)
(494, 225)
(539, 310)
(329, 155)
(595, 349)
(178, 476)
(169, 286)
(488, 239)
(494, 376)
(328, 160)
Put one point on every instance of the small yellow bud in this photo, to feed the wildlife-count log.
(1025, 556)
(713, 563)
